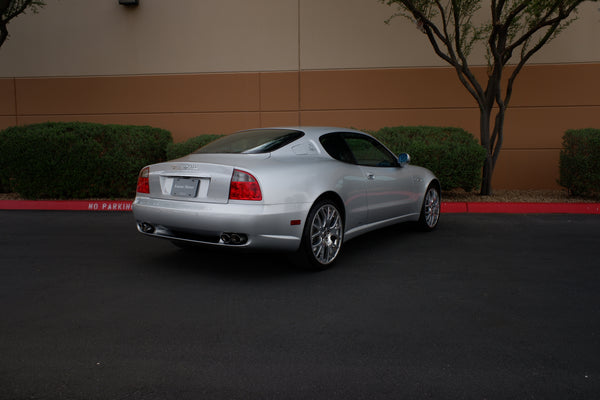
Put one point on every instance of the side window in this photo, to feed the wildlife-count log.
(369, 152)
(337, 148)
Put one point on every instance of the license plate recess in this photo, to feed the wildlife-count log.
(185, 187)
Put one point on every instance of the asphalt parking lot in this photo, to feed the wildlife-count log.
(486, 307)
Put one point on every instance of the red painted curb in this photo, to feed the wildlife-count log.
(447, 207)
(534, 208)
(66, 205)
(454, 207)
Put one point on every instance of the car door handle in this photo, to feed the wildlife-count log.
(370, 176)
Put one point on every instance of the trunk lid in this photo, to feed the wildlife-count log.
(198, 178)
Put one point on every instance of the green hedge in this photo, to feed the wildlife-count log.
(77, 160)
(177, 150)
(86, 160)
(580, 162)
(452, 154)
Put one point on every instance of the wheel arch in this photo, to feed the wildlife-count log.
(433, 182)
(333, 196)
(309, 259)
(438, 185)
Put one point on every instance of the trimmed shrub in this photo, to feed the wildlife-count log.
(67, 160)
(452, 154)
(177, 150)
(579, 163)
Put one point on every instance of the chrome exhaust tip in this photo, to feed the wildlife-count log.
(147, 228)
(226, 238)
(234, 238)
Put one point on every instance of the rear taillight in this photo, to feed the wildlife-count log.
(244, 187)
(143, 184)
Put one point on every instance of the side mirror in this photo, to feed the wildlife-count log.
(403, 159)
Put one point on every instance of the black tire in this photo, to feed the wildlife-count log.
(430, 209)
(323, 235)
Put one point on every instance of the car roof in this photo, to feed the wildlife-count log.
(312, 132)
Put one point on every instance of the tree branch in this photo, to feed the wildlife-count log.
(10, 13)
(434, 34)
(544, 22)
(3, 32)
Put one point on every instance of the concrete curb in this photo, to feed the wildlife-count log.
(447, 207)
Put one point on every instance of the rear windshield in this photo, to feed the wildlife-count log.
(252, 142)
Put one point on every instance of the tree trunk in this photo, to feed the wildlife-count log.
(486, 181)
(488, 166)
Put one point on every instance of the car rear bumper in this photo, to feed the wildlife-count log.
(276, 226)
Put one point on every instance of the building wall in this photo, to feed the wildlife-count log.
(199, 67)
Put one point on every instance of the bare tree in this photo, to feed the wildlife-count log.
(10, 9)
(514, 32)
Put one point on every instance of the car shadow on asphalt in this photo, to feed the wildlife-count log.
(246, 264)
(231, 263)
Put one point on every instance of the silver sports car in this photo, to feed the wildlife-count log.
(305, 189)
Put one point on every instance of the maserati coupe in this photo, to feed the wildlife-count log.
(297, 189)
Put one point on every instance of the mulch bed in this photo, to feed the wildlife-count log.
(516, 196)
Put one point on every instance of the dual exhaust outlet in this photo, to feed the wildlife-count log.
(234, 238)
(230, 238)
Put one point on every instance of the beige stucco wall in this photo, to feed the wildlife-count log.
(196, 67)
(91, 37)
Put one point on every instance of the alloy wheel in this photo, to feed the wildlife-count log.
(326, 233)
(431, 207)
